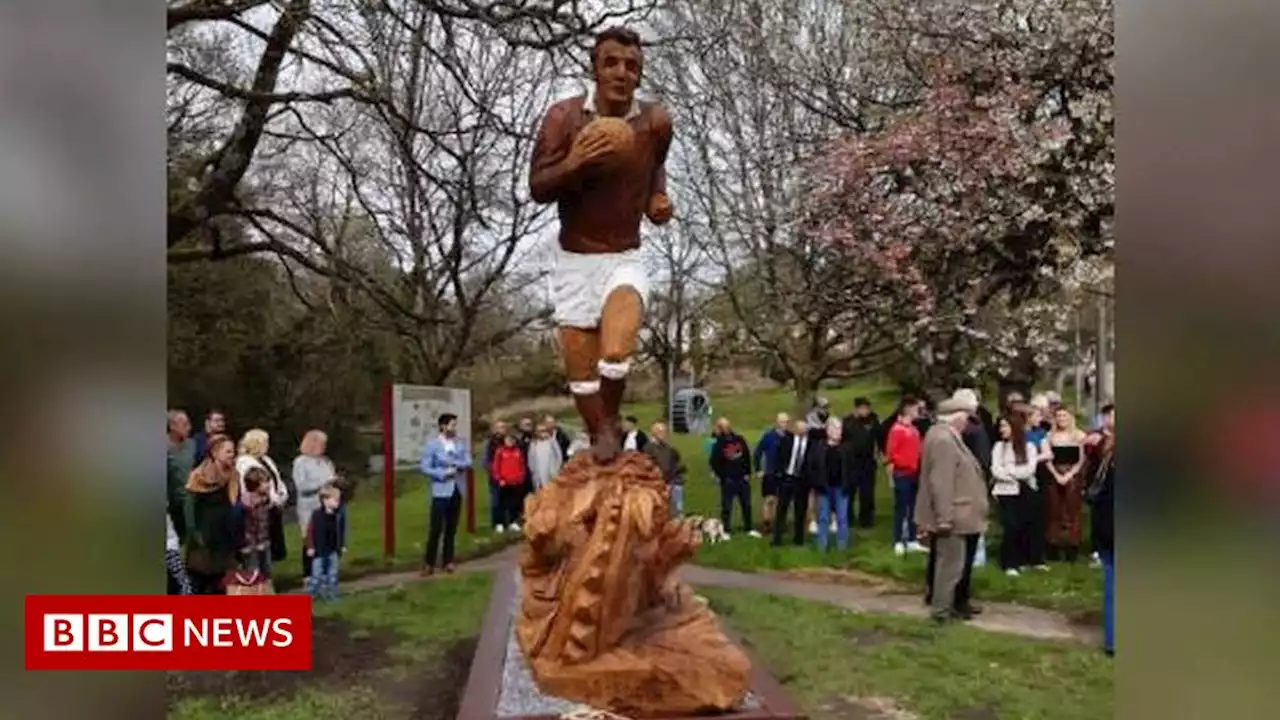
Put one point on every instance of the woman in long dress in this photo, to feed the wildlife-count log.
(1064, 497)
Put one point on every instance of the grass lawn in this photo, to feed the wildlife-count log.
(1071, 589)
(838, 664)
(395, 654)
(364, 531)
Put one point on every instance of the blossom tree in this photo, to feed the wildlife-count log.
(991, 200)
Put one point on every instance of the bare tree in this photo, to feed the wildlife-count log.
(289, 48)
(676, 303)
(743, 141)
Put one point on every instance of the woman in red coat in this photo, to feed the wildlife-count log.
(509, 467)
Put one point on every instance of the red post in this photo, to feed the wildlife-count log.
(388, 475)
(471, 501)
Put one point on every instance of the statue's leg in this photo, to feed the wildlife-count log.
(580, 349)
(619, 330)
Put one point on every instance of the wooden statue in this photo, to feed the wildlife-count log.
(603, 620)
(600, 157)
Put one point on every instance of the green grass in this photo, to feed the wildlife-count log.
(832, 661)
(425, 619)
(364, 531)
(1070, 589)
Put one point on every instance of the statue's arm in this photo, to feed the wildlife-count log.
(659, 205)
(551, 172)
(663, 131)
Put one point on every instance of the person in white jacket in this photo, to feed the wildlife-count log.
(1013, 470)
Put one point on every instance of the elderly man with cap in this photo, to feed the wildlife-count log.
(951, 510)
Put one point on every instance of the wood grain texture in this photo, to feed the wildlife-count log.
(603, 620)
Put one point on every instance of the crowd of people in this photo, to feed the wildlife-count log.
(228, 502)
(228, 510)
(944, 465)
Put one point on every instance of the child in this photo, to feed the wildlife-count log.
(255, 509)
(324, 545)
(509, 467)
(179, 583)
(545, 457)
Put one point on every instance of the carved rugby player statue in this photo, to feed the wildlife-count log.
(600, 157)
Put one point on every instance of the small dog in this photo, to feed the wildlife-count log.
(713, 531)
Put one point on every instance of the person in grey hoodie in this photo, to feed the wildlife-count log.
(545, 456)
(667, 458)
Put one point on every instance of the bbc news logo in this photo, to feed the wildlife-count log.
(150, 632)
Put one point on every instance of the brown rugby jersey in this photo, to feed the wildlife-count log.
(600, 211)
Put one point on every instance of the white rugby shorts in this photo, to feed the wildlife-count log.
(580, 284)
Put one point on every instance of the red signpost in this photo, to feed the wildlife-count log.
(388, 475)
(471, 501)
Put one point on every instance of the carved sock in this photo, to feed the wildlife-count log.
(587, 399)
(613, 384)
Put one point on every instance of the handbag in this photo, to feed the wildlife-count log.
(247, 582)
(275, 534)
(1095, 488)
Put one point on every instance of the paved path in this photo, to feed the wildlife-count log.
(997, 617)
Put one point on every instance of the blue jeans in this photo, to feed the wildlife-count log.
(905, 488)
(323, 582)
(827, 499)
(1108, 601)
(677, 500)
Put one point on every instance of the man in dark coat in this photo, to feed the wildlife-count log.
(862, 438)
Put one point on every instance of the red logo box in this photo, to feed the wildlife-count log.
(163, 632)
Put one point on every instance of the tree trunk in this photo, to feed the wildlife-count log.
(806, 391)
(1021, 378)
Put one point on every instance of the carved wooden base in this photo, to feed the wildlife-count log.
(602, 620)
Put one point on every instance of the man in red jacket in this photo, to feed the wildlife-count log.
(902, 459)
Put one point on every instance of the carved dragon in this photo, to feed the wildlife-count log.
(603, 620)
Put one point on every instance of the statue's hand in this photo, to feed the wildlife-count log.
(659, 210)
(591, 149)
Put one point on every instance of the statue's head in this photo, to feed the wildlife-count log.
(617, 63)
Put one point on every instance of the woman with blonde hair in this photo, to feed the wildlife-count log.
(312, 471)
(1064, 460)
(253, 454)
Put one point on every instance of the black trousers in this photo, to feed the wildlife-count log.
(865, 488)
(739, 488)
(1036, 518)
(964, 589)
(443, 521)
(791, 492)
(1015, 544)
(511, 500)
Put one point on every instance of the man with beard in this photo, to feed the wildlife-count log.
(215, 423)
